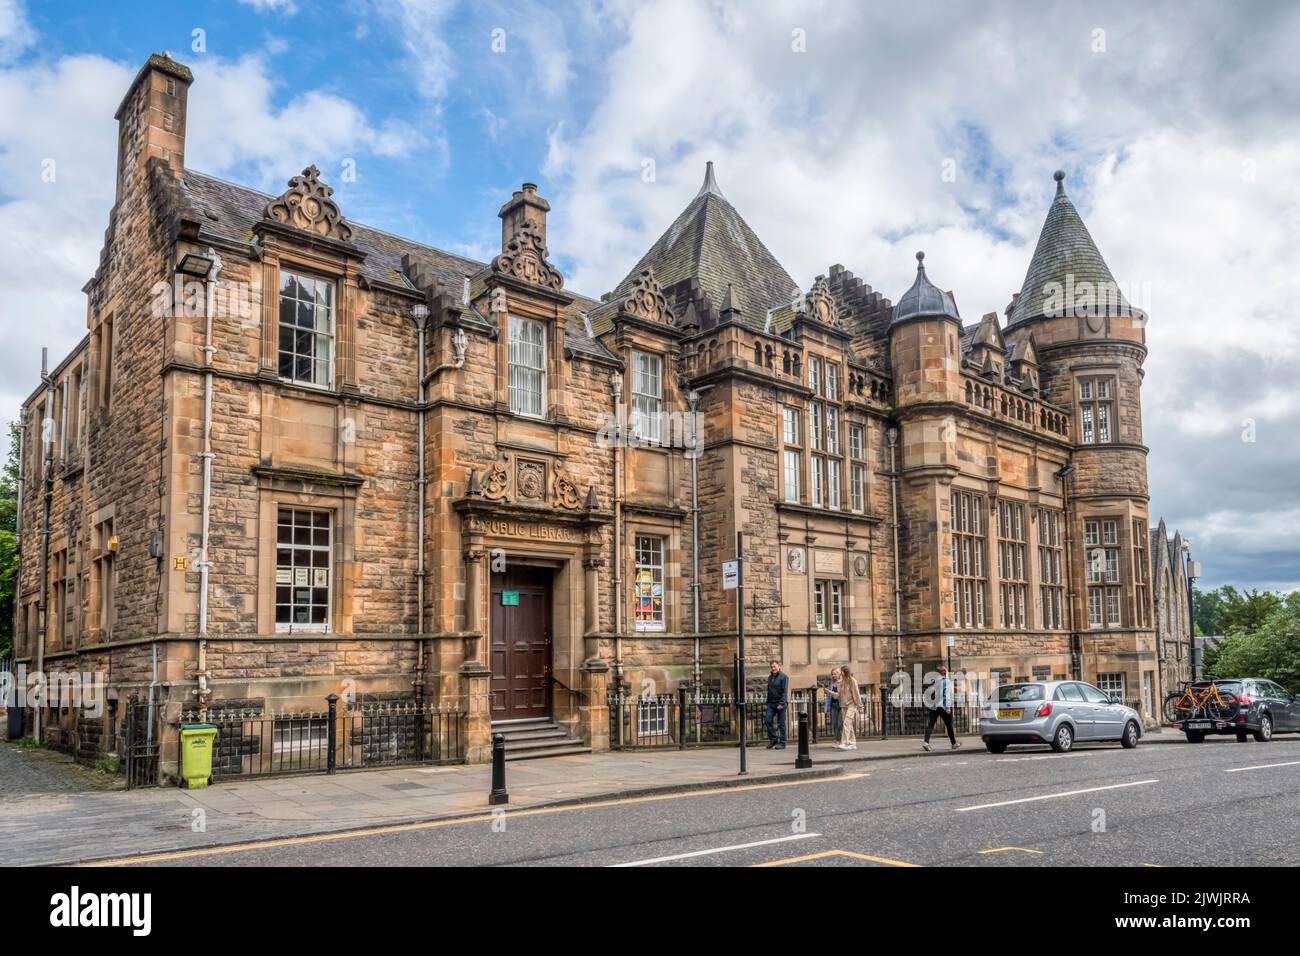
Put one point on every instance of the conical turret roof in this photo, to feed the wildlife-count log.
(1067, 270)
(711, 243)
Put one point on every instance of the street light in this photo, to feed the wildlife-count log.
(1193, 572)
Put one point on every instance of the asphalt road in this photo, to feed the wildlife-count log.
(1101, 805)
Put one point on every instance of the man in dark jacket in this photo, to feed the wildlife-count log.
(778, 690)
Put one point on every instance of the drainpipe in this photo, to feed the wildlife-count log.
(1076, 657)
(47, 442)
(18, 516)
(201, 673)
(616, 395)
(892, 436)
(693, 403)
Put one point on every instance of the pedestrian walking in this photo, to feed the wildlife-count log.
(850, 703)
(834, 713)
(940, 704)
(778, 692)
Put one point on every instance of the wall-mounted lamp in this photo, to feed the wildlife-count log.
(192, 264)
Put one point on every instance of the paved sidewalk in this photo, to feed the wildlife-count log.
(71, 826)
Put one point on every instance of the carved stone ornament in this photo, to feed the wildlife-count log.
(647, 299)
(497, 305)
(524, 257)
(497, 481)
(820, 302)
(531, 480)
(794, 560)
(566, 493)
(307, 205)
(860, 566)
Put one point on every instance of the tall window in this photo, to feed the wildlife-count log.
(649, 612)
(527, 367)
(1051, 583)
(647, 396)
(855, 442)
(1096, 410)
(1101, 540)
(837, 605)
(832, 483)
(818, 484)
(815, 374)
(792, 457)
(832, 381)
(832, 431)
(1011, 564)
(59, 610)
(106, 577)
(302, 570)
(858, 487)
(819, 604)
(968, 558)
(790, 426)
(790, 476)
(306, 329)
(1141, 574)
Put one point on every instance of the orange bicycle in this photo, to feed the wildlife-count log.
(1205, 701)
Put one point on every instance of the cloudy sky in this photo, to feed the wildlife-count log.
(852, 132)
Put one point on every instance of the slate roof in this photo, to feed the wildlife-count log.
(1065, 248)
(711, 243)
(231, 211)
(925, 298)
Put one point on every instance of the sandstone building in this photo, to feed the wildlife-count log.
(297, 456)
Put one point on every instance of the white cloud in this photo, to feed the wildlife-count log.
(286, 7)
(15, 33)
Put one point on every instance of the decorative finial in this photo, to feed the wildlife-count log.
(1059, 176)
(920, 262)
(710, 184)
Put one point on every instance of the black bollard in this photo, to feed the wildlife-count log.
(803, 761)
(498, 794)
(331, 732)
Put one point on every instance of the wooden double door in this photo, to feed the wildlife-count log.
(521, 643)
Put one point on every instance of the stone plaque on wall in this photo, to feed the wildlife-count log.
(828, 562)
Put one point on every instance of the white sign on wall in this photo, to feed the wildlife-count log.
(730, 575)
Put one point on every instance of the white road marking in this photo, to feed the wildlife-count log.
(1055, 796)
(721, 849)
(1263, 766)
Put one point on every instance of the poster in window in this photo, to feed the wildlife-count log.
(300, 577)
(320, 577)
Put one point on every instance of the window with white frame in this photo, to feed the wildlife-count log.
(857, 487)
(306, 329)
(969, 574)
(790, 477)
(1051, 583)
(832, 483)
(790, 426)
(1112, 684)
(651, 716)
(527, 367)
(832, 381)
(815, 426)
(819, 604)
(837, 605)
(818, 484)
(832, 431)
(815, 374)
(1013, 579)
(303, 578)
(1141, 574)
(649, 583)
(647, 397)
(1096, 410)
(855, 442)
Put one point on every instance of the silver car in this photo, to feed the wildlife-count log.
(1056, 712)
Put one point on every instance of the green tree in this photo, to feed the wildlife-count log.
(1207, 610)
(1271, 650)
(1226, 609)
(8, 541)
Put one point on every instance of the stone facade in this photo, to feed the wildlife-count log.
(243, 504)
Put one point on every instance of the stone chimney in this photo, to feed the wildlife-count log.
(524, 206)
(151, 119)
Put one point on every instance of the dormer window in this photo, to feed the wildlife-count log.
(306, 330)
(527, 367)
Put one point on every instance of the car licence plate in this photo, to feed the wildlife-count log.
(1199, 724)
(1010, 714)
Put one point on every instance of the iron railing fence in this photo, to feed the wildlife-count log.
(253, 743)
(686, 719)
(140, 744)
